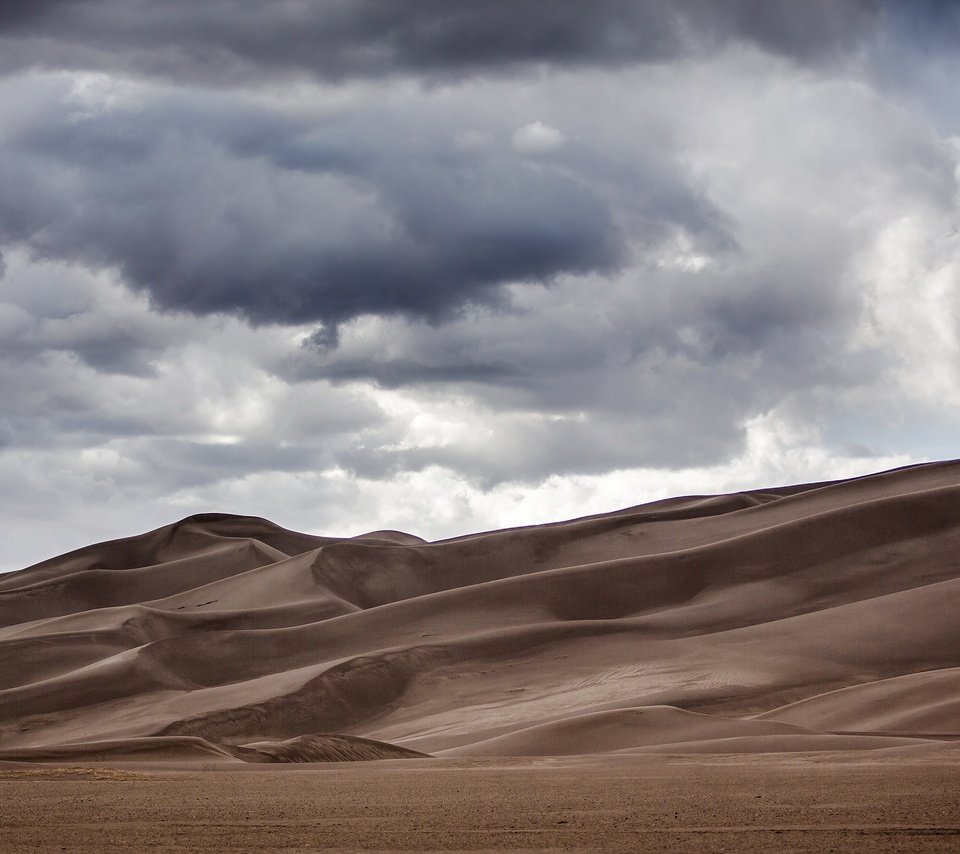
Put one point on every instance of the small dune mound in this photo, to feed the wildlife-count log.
(305, 748)
(926, 702)
(397, 538)
(324, 748)
(809, 743)
(618, 730)
(161, 749)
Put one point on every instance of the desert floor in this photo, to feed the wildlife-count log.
(797, 802)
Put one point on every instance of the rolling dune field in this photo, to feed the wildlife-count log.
(805, 624)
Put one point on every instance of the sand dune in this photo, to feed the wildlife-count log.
(926, 702)
(309, 748)
(620, 729)
(798, 618)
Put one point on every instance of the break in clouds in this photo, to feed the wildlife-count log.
(444, 266)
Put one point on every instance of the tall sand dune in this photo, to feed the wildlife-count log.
(820, 616)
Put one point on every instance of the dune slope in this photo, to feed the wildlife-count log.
(820, 616)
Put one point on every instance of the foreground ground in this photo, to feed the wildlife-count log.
(838, 802)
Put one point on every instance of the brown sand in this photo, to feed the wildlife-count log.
(776, 622)
(748, 804)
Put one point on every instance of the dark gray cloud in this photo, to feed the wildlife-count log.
(662, 337)
(227, 40)
(918, 61)
(922, 23)
(217, 205)
(210, 203)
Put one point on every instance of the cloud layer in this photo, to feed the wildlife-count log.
(444, 267)
(228, 41)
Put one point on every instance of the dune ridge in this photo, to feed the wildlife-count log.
(806, 617)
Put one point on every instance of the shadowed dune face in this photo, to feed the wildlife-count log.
(798, 618)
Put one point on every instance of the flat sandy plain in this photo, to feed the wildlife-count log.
(771, 803)
(776, 669)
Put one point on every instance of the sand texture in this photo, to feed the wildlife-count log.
(805, 618)
(819, 803)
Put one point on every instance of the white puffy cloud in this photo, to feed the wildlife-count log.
(537, 138)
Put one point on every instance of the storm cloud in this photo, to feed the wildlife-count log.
(232, 40)
(215, 203)
(445, 265)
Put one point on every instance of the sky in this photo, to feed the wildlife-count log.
(447, 266)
